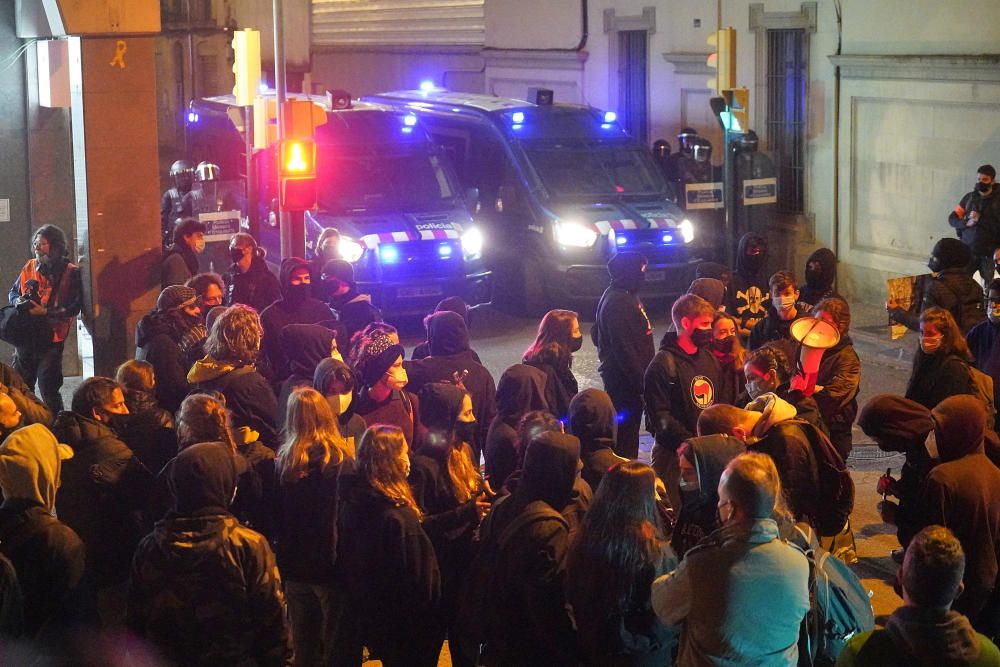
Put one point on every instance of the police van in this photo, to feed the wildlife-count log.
(561, 189)
(382, 183)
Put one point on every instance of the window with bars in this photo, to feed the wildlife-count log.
(786, 114)
(633, 106)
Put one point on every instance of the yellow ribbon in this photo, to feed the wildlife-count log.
(120, 48)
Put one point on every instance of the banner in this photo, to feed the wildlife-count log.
(905, 292)
(702, 195)
(220, 226)
(760, 191)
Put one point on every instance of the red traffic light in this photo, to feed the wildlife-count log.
(297, 169)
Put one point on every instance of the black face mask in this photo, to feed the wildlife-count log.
(983, 187)
(465, 431)
(575, 343)
(723, 345)
(753, 262)
(702, 337)
(117, 422)
(297, 293)
(236, 254)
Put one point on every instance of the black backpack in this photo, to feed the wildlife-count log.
(836, 488)
(22, 329)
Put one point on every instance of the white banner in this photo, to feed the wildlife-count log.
(760, 191)
(703, 195)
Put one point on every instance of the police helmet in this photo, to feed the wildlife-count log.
(661, 149)
(206, 171)
(701, 149)
(684, 139)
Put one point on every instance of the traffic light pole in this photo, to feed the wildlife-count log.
(730, 198)
(291, 225)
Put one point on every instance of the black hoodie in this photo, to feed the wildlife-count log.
(521, 390)
(592, 420)
(622, 331)
(448, 337)
(289, 309)
(748, 291)
(698, 515)
(819, 280)
(257, 288)
(352, 425)
(170, 345)
(304, 345)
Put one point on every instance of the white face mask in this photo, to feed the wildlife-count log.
(396, 378)
(783, 302)
(339, 403)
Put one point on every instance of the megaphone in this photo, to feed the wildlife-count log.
(816, 336)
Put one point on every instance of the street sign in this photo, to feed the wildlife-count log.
(703, 195)
(760, 191)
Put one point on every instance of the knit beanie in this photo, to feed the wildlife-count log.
(952, 253)
(175, 297)
(378, 354)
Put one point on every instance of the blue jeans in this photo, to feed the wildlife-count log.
(44, 366)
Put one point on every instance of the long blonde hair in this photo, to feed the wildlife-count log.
(379, 457)
(203, 418)
(312, 436)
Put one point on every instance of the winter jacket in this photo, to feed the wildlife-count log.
(450, 354)
(304, 345)
(33, 410)
(624, 338)
(165, 341)
(984, 236)
(205, 590)
(387, 566)
(984, 342)
(179, 264)
(521, 390)
(401, 409)
(698, 515)
(952, 289)
(924, 638)
(60, 287)
(748, 288)
(257, 288)
(937, 376)
(354, 311)
(840, 376)
(249, 398)
(49, 556)
(592, 420)
(742, 567)
(352, 425)
(149, 430)
(287, 311)
(776, 331)
(560, 386)
(103, 488)
(677, 392)
(820, 276)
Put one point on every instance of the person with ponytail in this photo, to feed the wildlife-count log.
(450, 492)
(552, 353)
(309, 468)
(386, 563)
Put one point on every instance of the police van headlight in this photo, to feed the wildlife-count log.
(472, 243)
(687, 230)
(350, 249)
(575, 235)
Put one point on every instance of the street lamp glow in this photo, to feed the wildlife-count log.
(610, 116)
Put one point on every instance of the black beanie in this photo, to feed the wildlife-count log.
(952, 254)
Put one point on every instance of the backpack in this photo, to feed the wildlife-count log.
(982, 388)
(481, 601)
(839, 606)
(836, 488)
(21, 329)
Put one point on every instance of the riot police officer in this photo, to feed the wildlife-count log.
(173, 204)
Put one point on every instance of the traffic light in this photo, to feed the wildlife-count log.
(246, 65)
(298, 174)
(723, 59)
(737, 108)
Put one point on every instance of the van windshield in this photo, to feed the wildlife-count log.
(593, 168)
(353, 179)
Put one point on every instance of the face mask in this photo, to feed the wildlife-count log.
(339, 403)
(297, 293)
(236, 254)
(753, 262)
(996, 267)
(117, 422)
(396, 378)
(465, 431)
(723, 345)
(575, 343)
(760, 386)
(702, 337)
(931, 345)
(983, 187)
(783, 302)
(199, 246)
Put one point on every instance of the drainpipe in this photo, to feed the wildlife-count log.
(835, 242)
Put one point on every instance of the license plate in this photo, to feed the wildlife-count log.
(656, 276)
(416, 292)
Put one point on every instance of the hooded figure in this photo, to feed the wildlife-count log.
(296, 306)
(448, 339)
(592, 420)
(623, 336)
(206, 590)
(749, 291)
(454, 304)
(530, 602)
(963, 493)
(48, 555)
(821, 274)
(354, 310)
(328, 372)
(521, 390)
(949, 287)
(698, 516)
(709, 289)
(304, 345)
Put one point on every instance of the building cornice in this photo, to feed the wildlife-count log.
(924, 68)
(531, 59)
(689, 63)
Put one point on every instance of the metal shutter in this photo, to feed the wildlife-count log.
(397, 23)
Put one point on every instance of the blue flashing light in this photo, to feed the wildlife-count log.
(427, 86)
(407, 130)
(667, 238)
(610, 116)
(517, 117)
(409, 120)
(444, 251)
(606, 126)
(620, 240)
(516, 127)
(389, 254)
(192, 116)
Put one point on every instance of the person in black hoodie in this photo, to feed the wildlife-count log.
(296, 306)
(354, 310)
(821, 274)
(702, 461)
(149, 429)
(304, 345)
(386, 562)
(949, 287)
(456, 305)
(168, 338)
(552, 352)
(592, 420)
(839, 376)
(680, 382)
(204, 588)
(311, 463)
(248, 280)
(748, 291)
(451, 358)
(521, 390)
(941, 364)
(337, 382)
(450, 493)
(624, 339)
(530, 623)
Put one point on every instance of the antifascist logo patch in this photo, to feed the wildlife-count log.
(702, 391)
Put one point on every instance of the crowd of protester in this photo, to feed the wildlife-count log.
(270, 481)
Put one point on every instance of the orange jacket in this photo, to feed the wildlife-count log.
(65, 304)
